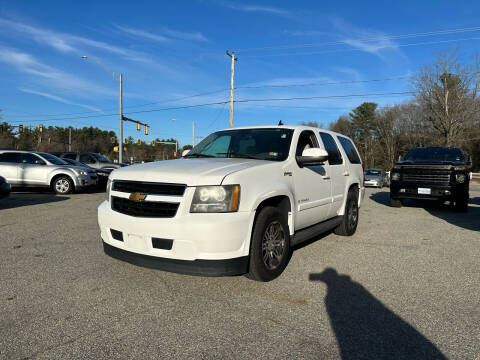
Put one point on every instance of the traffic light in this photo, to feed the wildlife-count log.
(126, 141)
(115, 148)
(153, 143)
(41, 128)
(139, 142)
(138, 126)
(146, 129)
(113, 139)
(20, 129)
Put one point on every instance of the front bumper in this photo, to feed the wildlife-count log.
(403, 190)
(205, 244)
(86, 180)
(375, 183)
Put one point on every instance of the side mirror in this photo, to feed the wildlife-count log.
(312, 156)
(185, 152)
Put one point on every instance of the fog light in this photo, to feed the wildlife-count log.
(460, 178)
(402, 190)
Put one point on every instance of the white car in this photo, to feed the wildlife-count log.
(237, 203)
(38, 169)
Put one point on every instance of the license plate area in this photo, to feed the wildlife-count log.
(425, 191)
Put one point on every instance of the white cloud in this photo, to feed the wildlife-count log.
(58, 98)
(255, 8)
(166, 35)
(185, 35)
(142, 34)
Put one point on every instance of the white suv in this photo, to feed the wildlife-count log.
(235, 204)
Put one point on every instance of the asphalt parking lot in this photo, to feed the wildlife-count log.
(406, 286)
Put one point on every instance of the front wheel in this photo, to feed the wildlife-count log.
(270, 248)
(349, 223)
(62, 185)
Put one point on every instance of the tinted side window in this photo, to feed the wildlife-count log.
(87, 159)
(334, 156)
(31, 159)
(349, 150)
(9, 157)
(306, 140)
(70, 156)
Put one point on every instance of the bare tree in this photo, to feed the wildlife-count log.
(447, 91)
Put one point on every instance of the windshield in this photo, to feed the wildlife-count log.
(373, 172)
(436, 154)
(262, 144)
(101, 158)
(53, 159)
(75, 162)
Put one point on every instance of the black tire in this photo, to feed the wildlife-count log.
(269, 255)
(396, 203)
(62, 185)
(349, 223)
(461, 202)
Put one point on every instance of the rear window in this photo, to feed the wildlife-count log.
(350, 150)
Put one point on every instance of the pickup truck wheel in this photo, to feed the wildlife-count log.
(349, 223)
(62, 185)
(270, 248)
(395, 202)
(461, 203)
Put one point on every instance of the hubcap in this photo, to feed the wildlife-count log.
(352, 214)
(62, 185)
(273, 245)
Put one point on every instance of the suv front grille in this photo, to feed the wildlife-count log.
(149, 187)
(435, 176)
(150, 209)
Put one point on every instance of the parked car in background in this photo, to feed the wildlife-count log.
(4, 188)
(237, 203)
(374, 177)
(38, 169)
(432, 173)
(102, 174)
(94, 160)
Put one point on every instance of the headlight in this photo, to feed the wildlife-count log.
(80, 172)
(210, 199)
(395, 176)
(460, 178)
(109, 185)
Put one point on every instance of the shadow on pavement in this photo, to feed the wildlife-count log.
(467, 220)
(367, 329)
(18, 199)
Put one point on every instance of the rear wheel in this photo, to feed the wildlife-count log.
(62, 185)
(349, 223)
(270, 248)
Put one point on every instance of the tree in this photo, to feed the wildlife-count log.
(362, 122)
(447, 92)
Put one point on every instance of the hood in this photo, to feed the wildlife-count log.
(193, 172)
(434, 163)
(83, 168)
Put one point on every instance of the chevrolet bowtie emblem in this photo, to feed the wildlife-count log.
(137, 196)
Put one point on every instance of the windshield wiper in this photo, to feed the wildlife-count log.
(240, 155)
(199, 155)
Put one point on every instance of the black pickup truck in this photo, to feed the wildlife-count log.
(431, 173)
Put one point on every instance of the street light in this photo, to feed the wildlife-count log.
(120, 107)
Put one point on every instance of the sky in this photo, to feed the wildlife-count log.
(172, 57)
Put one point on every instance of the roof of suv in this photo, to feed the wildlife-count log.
(292, 127)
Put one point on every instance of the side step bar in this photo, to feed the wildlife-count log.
(315, 230)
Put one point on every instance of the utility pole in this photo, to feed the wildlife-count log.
(193, 133)
(70, 138)
(120, 121)
(232, 75)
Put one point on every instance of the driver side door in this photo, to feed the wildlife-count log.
(313, 186)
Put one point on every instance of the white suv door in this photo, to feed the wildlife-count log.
(338, 172)
(33, 170)
(9, 164)
(312, 186)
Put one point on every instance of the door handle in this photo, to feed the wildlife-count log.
(326, 177)
(346, 173)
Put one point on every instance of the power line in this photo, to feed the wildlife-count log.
(377, 48)
(365, 39)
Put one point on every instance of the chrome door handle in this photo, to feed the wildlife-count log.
(326, 177)
(346, 173)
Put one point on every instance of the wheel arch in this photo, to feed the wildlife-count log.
(281, 201)
(60, 174)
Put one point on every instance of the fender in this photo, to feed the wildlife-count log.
(347, 187)
(63, 171)
(279, 189)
